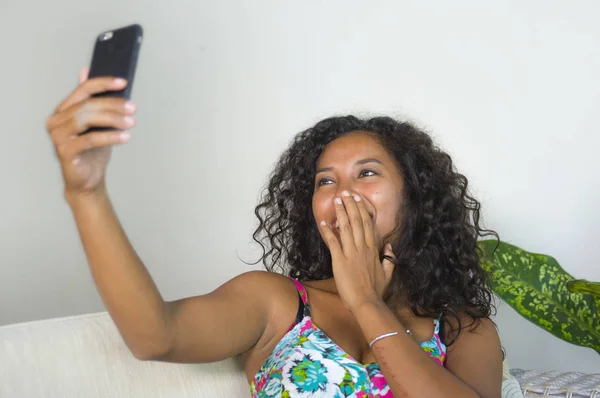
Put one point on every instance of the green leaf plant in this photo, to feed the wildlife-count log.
(539, 289)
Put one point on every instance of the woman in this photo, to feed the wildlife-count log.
(384, 295)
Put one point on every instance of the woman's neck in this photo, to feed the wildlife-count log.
(328, 285)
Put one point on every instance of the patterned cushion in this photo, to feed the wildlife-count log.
(558, 384)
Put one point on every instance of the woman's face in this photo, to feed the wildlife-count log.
(359, 164)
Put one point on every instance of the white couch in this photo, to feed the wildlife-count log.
(84, 356)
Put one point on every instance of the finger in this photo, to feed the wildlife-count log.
(83, 74)
(111, 104)
(387, 265)
(367, 222)
(346, 235)
(70, 151)
(90, 87)
(332, 242)
(355, 218)
(86, 120)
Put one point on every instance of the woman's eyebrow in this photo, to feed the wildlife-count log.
(357, 163)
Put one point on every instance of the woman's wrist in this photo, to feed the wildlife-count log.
(368, 305)
(77, 200)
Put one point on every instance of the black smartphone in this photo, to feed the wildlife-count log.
(116, 54)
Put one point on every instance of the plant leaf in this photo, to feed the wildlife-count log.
(583, 286)
(535, 285)
(586, 287)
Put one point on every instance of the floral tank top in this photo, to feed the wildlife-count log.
(307, 363)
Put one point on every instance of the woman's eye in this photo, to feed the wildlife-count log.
(363, 173)
(367, 173)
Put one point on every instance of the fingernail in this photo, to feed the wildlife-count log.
(388, 247)
(357, 198)
(129, 120)
(125, 136)
(323, 223)
(346, 193)
(338, 201)
(129, 106)
(119, 81)
(76, 160)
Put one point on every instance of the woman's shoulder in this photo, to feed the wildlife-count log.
(464, 327)
(269, 285)
(262, 277)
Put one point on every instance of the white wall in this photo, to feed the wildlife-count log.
(510, 88)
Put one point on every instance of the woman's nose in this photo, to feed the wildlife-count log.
(345, 187)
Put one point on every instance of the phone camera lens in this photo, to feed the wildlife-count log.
(106, 36)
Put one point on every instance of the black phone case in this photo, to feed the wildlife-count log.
(115, 54)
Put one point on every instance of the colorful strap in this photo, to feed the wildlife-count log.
(303, 295)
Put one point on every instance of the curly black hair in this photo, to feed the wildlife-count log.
(438, 268)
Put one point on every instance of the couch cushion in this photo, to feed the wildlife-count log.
(84, 356)
(558, 384)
